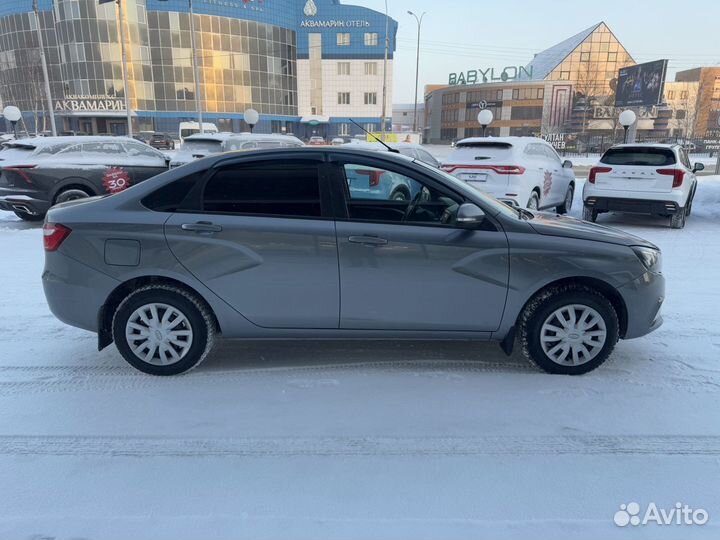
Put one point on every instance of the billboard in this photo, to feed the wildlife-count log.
(641, 85)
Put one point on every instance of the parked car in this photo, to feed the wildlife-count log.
(199, 146)
(337, 141)
(264, 244)
(520, 171)
(156, 139)
(316, 140)
(41, 172)
(645, 179)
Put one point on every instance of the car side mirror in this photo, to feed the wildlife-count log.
(469, 214)
(698, 167)
(567, 164)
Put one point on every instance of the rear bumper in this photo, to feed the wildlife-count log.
(636, 206)
(75, 292)
(23, 200)
(643, 297)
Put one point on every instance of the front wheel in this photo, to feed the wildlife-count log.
(568, 330)
(566, 206)
(589, 214)
(163, 330)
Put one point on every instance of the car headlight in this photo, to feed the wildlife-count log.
(649, 257)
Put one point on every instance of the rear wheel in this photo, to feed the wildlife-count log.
(589, 214)
(29, 217)
(163, 330)
(569, 330)
(71, 194)
(677, 221)
(399, 196)
(566, 206)
(534, 201)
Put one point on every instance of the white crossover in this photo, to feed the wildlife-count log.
(521, 171)
(653, 179)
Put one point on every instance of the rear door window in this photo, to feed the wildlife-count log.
(639, 155)
(287, 189)
(426, 157)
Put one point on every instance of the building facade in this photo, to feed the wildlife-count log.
(568, 87)
(307, 66)
(705, 109)
(403, 117)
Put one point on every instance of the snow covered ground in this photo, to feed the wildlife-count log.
(361, 440)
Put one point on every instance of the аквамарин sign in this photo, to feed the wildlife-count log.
(475, 76)
(90, 103)
(333, 23)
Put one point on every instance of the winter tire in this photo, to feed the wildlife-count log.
(589, 214)
(534, 201)
(71, 194)
(568, 330)
(566, 206)
(678, 219)
(163, 330)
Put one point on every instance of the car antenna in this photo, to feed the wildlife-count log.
(389, 148)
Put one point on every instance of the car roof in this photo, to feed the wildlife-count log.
(377, 146)
(513, 141)
(646, 145)
(39, 142)
(309, 150)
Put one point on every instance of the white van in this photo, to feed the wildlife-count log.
(190, 128)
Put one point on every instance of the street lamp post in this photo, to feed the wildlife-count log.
(124, 68)
(46, 78)
(485, 118)
(417, 65)
(12, 114)
(251, 117)
(627, 119)
(196, 69)
(384, 89)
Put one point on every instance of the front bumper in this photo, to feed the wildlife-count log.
(643, 297)
(23, 200)
(633, 206)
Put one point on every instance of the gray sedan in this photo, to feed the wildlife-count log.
(273, 244)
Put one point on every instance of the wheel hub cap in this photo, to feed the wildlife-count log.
(159, 334)
(573, 335)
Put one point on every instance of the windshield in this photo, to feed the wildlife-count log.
(638, 155)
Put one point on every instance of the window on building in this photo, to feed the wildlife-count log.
(612, 57)
(343, 68)
(276, 189)
(671, 94)
(528, 93)
(585, 57)
(343, 39)
(371, 39)
(370, 98)
(371, 68)
(343, 98)
(448, 134)
(369, 127)
(344, 129)
(684, 94)
(449, 99)
(564, 75)
(526, 113)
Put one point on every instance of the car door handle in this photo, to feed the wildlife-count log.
(201, 227)
(368, 240)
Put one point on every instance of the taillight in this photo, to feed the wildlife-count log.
(373, 176)
(53, 235)
(19, 170)
(596, 170)
(677, 174)
(499, 169)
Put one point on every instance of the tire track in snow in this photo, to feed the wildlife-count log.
(32, 379)
(199, 447)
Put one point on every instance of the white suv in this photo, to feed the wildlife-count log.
(520, 171)
(642, 178)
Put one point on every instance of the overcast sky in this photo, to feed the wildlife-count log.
(458, 35)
